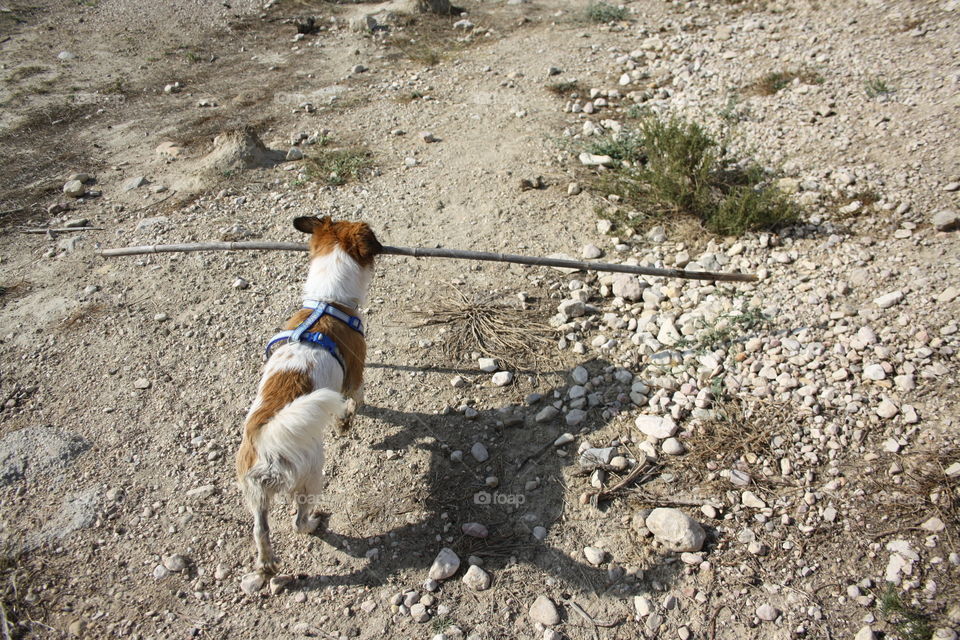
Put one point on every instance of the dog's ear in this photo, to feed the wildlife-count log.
(305, 224)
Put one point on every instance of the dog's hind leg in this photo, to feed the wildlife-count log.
(353, 404)
(258, 500)
(307, 497)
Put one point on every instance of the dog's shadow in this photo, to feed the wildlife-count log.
(529, 493)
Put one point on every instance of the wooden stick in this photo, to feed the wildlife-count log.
(421, 252)
(61, 230)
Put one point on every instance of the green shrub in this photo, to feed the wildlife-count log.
(604, 12)
(670, 166)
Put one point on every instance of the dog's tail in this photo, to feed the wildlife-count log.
(290, 445)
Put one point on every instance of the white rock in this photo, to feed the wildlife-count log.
(571, 308)
(252, 583)
(544, 611)
(592, 160)
(546, 414)
(133, 183)
(74, 189)
(445, 565)
(580, 375)
(750, 499)
(672, 447)
(474, 530)
(487, 365)
(946, 220)
(593, 555)
(591, 252)
(888, 299)
(768, 612)
(865, 633)
(642, 605)
(502, 378)
(887, 409)
(477, 579)
(564, 438)
(874, 372)
(628, 287)
(676, 530)
(659, 427)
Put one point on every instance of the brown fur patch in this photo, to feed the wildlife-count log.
(355, 238)
(279, 390)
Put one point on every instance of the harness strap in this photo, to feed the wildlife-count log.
(316, 338)
(301, 333)
(325, 308)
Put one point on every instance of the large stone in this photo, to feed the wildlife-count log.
(628, 287)
(946, 220)
(659, 427)
(477, 579)
(675, 529)
(445, 565)
(544, 611)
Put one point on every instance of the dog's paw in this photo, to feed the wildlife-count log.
(316, 523)
(266, 566)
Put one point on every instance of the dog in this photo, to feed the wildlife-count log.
(312, 380)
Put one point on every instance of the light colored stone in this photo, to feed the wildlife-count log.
(544, 611)
(487, 365)
(251, 583)
(502, 378)
(677, 530)
(477, 579)
(767, 612)
(74, 189)
(672, 447)
(593, 555)
(659, 427)
(445, 565)
(628, 287)
(887, 300)
(946, 220)
(750, 499)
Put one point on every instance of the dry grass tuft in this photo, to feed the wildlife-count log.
(515, 336)
(17, 603)
(566, 89)
(742, 429)
(773, 82)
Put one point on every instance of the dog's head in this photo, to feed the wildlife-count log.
(356, 239)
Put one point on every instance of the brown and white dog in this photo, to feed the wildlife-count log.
(312, 382)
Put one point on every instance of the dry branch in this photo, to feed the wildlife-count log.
(421, 252)
(62, 230)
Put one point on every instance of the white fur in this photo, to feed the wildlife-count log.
(336, 277)
(290, 446)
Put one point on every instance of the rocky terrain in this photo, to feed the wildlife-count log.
(684, 459)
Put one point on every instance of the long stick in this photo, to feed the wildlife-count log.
(420, 252)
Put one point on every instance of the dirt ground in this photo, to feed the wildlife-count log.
(124, 381)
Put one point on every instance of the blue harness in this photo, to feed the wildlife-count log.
(300, 334)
